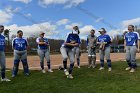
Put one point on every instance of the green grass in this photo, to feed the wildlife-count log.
(85, 81)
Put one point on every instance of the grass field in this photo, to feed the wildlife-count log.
(85, 81)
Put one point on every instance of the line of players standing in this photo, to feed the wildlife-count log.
(69, 49)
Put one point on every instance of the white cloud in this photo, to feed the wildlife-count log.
(74, 3)
(130, 22)
(99, 20)
(11, 10)
(23, 1)
(28, 15)
(86, 29)
(62, 22)
(28, 30)
(66, 3)
(4, 17)
(115, 32)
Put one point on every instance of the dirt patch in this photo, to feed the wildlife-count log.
(56, 60)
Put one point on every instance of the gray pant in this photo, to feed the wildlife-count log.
(76, 51)
(20, 56)
(106, 53)
(2, 63)
(67, 53)
(131, 55)
(91, 56)
(44, 53)
(91, 51)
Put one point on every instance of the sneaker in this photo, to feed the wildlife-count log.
(26, 74)
(109, 69)
(128, 68)
(132, 70)
(13, 76)
(89, 66)
(5, 79)
(93, 66)
(43, 71)
(50, 70)
(78, 67)
(66, 72)
(101, 68)
(70, 76)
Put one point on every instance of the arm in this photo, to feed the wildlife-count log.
(71, 44)
(124, 45)
(41, 42)
(87, 42)
(138, 46)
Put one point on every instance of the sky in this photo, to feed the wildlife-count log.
(57, 17)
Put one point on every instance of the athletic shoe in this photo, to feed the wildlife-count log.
(43, 71)
(101, 68)
(66, 72)
(109, 69)
(5, 79)
(89, 66)
(93, 66)
(26, 74)
(13, 76)
(89, 55)
(50, 71)
(78, 67)
(70, 76)
(132, 70)
(93, 55)
(128, 68)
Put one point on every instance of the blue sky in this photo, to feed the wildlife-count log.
(56, 17)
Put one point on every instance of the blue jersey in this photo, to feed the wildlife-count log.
(2, 42)
(105, 38)
(131, 38)
(72, 37)
(42, 40)
(19, 44)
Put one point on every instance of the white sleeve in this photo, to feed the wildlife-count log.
(138, 35)
(37, 40)
(13, 42)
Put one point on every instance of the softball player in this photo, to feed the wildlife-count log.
(76, 49)
(104, 41)
(131, 44)
(2, 55)
(20, 45)
(72, 41)
(91, 46)
(43, 52)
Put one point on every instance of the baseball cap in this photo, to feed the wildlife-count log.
(19, 31)
(102, 30)
(41, 33)
(1, 26)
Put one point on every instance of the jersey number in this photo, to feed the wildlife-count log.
(20, 45)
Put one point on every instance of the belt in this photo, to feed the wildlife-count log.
(20, 49)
